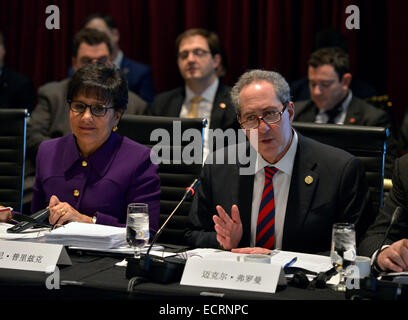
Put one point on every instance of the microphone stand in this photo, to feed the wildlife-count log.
(163, 270)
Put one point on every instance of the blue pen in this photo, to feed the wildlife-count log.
(290, 263)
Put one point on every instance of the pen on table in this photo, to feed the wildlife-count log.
(290, 263)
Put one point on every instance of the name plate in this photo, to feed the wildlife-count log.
(248, 276)
(30, 256)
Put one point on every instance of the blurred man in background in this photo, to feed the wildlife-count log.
(16, 90)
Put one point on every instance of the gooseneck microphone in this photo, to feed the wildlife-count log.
(189, 193)
(158, 269)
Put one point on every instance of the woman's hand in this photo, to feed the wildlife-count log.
(62, 212)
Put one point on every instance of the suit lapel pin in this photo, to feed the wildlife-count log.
(352, 120)
(309, 180)
(222, 105)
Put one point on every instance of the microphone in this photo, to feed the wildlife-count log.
(189, 193)
(164, 270)
(36, 219)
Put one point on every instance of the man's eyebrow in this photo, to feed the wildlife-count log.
(248, 113)
(267, 108)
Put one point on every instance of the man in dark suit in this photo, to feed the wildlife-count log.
(394, 255)
(16, 90)
(296, 190)
(199, 56)
(333, 102)
(330, 37)
(138, 75)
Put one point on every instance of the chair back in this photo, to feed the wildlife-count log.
(366, 143)
(171, 136)
(13, 126)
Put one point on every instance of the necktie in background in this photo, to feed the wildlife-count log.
(265, 230)
(194, 107)
(333, 113)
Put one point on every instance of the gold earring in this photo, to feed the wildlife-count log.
(115, 128)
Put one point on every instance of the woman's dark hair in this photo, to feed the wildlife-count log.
(104, 82)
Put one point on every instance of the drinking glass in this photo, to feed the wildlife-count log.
(343, 250)
(137, 226)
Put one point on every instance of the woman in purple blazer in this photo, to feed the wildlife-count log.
(92, 174)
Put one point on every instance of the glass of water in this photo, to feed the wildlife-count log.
(343, 250)
(137, 226)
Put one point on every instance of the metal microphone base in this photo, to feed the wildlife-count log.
(155, 269)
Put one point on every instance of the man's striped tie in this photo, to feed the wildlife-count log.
(265, 230)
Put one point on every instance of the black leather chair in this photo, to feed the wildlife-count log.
(367, 143)
(175, 176)
(13, 123)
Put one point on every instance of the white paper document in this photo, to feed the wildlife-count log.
(87, 235)
(30, 234)
(311, 262)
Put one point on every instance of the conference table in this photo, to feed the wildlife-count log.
(97, 277)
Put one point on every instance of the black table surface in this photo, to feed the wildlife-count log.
(92, 277)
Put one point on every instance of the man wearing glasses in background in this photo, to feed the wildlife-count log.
(200, 61)
(50, 118)
(298, 189)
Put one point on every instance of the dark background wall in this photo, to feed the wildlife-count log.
(269, 34)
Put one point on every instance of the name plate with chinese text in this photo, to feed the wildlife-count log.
(248, 276)
(30, 256)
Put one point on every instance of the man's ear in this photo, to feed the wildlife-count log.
(118, 115)
(74, 64)
(291, 110)
(116, 36)
(217, 61)
(346, 80)
(2, 51)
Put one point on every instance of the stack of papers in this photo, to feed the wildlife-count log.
(87, 235)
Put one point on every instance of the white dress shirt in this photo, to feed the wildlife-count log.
(204, 109)
(322, 116)
(281, 183)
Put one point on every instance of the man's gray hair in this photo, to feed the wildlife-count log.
(279, 83)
